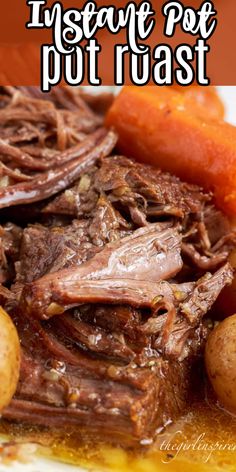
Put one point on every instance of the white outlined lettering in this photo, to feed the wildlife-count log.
(74, 50)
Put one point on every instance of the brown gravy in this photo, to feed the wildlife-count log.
(203, 427)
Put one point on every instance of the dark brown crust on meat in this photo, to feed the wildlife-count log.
(107, 277)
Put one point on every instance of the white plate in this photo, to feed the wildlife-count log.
(41, 465)
(228, 95)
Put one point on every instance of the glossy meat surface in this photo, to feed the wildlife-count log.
(108, 267)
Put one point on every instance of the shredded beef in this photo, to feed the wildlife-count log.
(110, 277)
(10, 239)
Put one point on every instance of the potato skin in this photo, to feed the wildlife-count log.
(220, 360)
(9, 359)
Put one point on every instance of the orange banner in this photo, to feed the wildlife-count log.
(20, 47)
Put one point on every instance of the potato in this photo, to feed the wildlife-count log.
(9, 359)
(220, 360)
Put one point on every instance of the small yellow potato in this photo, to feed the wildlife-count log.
(220, 360)
(9, 359)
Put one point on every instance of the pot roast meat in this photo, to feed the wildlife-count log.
(142, 195)
(47, 249)
(134, 188)
(107, 279)
(155, 192)
(95, 339)
(45, 149)
(132, 400)
(10, 240)
(77, 201)
(149, 254)
(73, 98)
(44, 305)
(53, 181)
(205, 293)
(47, 161)
(119, 318)
(129, 414)
(142, 393)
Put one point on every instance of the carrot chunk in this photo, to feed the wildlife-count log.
(168, 129)
(205, 99)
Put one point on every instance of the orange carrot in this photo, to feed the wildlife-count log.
(162, 127)
(205, 98)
